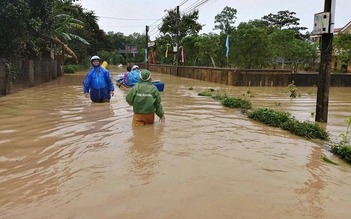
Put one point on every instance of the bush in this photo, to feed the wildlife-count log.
(305, 129)
(286, 122)
(68, 69)
(342, 151)
(234, 102)
(73, 68)
(269, 116)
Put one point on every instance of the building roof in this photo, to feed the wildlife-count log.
(345, 29)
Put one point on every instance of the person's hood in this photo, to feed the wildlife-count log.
(145, 75)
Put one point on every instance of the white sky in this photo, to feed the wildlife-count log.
(148, 12)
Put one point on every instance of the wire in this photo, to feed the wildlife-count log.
(131, 19)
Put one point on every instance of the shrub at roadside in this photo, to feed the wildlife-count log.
(73, 68)
(342, 151)
(269, 116)
(305, 129)
(343, 148)
(285, 121)
(234, 102)
(231, 102)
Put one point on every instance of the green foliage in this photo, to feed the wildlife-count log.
(73, 68)
(292, 89)
(219, 97)
(283, 19)
(328, 160)
(269, 116)
(345, 138)
(344, 152)
(186, 24)
(207, 48)
(207, 93)
(306, 129)
(233, 102)
(285, 121)
(252, 46)
(225, 20)
(68, 69)
(342, 47)
(343, 148)
(22, 23)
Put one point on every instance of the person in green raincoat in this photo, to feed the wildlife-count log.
(146, 101)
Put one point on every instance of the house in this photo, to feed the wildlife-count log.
(345, 67)
(345, 29)
(129, 52)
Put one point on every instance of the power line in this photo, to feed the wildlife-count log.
(196, 5)
(131, 19)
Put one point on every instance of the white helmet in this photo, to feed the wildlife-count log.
(95, 58)
(135, 67)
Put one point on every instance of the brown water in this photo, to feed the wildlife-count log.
(62, 156)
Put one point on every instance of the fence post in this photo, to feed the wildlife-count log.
(2, 78)
(31, 73)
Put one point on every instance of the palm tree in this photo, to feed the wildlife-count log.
(63, 24)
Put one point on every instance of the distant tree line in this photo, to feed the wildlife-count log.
(43, 29)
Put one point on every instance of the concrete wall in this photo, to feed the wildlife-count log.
(250, 77)
(3, 81)
(29, 73)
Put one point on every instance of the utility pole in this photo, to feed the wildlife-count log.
(146, 48)
(325, 66)
(177, 39)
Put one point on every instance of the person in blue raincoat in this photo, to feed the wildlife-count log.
(98, 82)
(133, 76)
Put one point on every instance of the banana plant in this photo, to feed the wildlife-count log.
(63, 25)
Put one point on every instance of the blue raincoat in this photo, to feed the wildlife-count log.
(99, 84)
(133, 77)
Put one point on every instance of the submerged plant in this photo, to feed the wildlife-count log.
(343, 148)
(292, 89)
(285, 121)
(234, 102)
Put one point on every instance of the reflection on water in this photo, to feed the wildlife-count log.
(62, 156)
(144, 150)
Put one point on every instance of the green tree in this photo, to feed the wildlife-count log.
(90, 31)
(252, 47)
(285, 20)
(342, 49)
(282, 19)
(225, 20)
(208, 49)
(186, 25)
(288, 49)
(22, 25)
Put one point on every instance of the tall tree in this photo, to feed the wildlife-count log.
(252, 46)
(186, 24)
(286, 20)
(283, 19)
(225, 20)
(208, 46)
(342, 49)
(22, 25)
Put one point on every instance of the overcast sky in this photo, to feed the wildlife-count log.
(115, 15)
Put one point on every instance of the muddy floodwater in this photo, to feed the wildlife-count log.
(62, 156)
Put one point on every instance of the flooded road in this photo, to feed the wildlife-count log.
(62, 156)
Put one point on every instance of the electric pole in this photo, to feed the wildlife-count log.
(325, 66)
(146, 48)
(177, 39)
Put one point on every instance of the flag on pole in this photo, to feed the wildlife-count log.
(227, 46)
(182, 54)
(166, 51)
